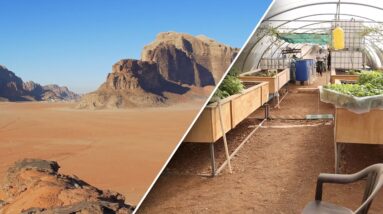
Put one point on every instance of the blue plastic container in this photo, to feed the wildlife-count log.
(302, 69)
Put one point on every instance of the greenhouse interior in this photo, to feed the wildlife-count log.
(309, 85)
(308, 26)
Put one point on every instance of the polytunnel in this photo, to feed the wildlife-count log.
(302, 28)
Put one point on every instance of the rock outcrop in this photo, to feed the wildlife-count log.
(172, 66)
(13, 88)
(132, 83)
(186, 59)
(34, 186)
(34, 89)
(53, 91)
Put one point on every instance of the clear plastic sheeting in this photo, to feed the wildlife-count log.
(354, 104)
(316, 17)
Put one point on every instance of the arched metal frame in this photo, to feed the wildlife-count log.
(371, 41)
(321, 3)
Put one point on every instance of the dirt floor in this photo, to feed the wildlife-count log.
(121, 150)
(275, 171)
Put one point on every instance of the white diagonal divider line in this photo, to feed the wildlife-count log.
(200, 111)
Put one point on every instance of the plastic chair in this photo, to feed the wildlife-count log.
(374, 177)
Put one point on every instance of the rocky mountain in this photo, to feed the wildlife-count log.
(132, 83)
(174, 65)
(186, 59)
(59, 92)
(33, 186)
(13, 88)
(34, 89)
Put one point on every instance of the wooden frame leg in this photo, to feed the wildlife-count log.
(212, 159)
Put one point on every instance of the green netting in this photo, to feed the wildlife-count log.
(302, 38)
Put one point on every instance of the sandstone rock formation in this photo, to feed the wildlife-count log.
(12, 88)
(53, 91)
(34, 89)
(34, 186)
(186, 59)
(172, 66)
(131, 83)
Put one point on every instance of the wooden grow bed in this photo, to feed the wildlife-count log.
(275, 83)
(234, 109)
(342, 76)
(363, 128)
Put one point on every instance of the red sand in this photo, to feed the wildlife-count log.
(121, 150)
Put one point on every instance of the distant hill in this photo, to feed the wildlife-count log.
(174, 65)
(13, 88)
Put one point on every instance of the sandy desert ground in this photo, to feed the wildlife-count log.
(121, 150)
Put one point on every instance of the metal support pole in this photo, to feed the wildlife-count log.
(267, 111)
(212, 159)
(337, 157)
(278, 100)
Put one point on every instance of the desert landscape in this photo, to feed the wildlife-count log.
(119, 136)
(120, 150)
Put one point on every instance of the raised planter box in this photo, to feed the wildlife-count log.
(275, 83)
(363, 128)
(235, 108)
(250, 100)
(342, 76)
(356, 128)
(207, 128)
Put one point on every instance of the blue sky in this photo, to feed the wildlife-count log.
(75, 42)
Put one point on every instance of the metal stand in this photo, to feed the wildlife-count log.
(267, 111)
(277, 96)
(212, 159)
(214, 170)
(279, 99)
(338, 156)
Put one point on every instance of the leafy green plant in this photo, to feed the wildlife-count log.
(370, 77)
(354, 72)
(370, 83)
(230, 85)
(234, 71)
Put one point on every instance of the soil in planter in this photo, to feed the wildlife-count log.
(247, 85)
(265, 73)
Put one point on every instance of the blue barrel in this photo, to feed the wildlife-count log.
(302, 69)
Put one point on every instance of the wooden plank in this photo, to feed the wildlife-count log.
(207, 128)
(282, 79)
(275, 83)
(265, 93)
(242, 106)
(272, 81)
(359, 128)
(236, 108)
(226, 116)
(344, 77)
(339, 77)
(202, 131)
